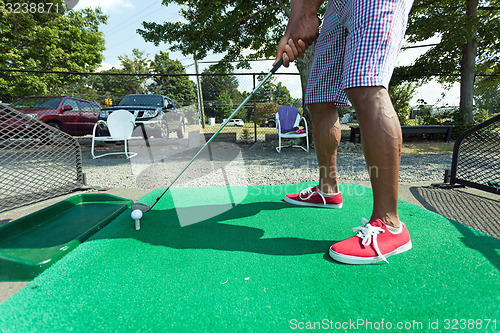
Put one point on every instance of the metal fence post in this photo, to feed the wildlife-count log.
(201, 108)
(254, 111)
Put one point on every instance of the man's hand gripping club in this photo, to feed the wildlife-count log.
(301, 31)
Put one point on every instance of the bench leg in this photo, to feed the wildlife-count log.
(448, 134)
(355, 132)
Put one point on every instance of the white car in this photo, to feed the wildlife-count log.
(234, 122)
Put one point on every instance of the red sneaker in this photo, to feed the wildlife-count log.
(311, 197)
(373, 243)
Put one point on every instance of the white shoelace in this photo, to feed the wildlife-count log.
(369, 234)
(308, 192)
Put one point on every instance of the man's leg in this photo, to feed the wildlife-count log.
(382, 140)
(383, 235)
(326, 135)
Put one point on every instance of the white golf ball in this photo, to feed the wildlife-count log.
(136, 214)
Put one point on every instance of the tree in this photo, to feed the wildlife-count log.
(223, 26)
(227, 26)
(266, 91)
(297, 102)
(271, 91)
(282, 95)
(214, 85)
(116, 86)
(487, 94)
(265, 110)
(224, 105)
(113, 86)
(138, 64)
(59, 40)
(468, 32)
(401, 96)
(179, 88)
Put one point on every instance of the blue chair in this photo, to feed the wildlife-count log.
(288, 119)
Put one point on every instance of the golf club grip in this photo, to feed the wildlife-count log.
(273, 70)
(276, 66)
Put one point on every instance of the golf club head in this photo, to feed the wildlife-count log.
(140, 206)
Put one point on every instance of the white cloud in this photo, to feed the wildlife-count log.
(106, 5)
(106, 65)
(432, 91)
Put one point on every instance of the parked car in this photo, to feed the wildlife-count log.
(157, 113)
(75, 116)
(270, 122)
(235, 122)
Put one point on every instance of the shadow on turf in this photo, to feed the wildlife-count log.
(482, 243)
(471, 211)
(162, 228)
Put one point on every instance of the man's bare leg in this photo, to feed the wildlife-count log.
(382, 139)
(326, 135)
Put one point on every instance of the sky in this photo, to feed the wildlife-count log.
(126, 16)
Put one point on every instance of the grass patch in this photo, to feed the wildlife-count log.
(427, 147)
(233, 129)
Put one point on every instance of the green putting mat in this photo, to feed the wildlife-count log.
(262, 266)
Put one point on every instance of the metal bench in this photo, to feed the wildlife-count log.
(420, 129)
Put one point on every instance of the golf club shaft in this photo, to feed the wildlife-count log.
(273, 70)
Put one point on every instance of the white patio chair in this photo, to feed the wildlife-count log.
(120, 124)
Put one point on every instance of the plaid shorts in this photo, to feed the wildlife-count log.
(357, 46)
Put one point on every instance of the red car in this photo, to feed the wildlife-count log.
(75, 116)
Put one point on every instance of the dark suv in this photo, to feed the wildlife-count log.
(157, 114)
(270, 122)
(75, 116)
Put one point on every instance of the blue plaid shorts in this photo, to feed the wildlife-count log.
(357, 46)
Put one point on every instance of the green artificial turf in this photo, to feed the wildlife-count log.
(262, 266)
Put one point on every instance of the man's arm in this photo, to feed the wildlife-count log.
(301, 31)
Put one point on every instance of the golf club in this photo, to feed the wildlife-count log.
(145, 208)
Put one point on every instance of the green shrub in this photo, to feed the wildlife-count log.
(265, 110)
(245, 135)
(401, 96)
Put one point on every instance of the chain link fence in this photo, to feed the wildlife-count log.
(37, 161)
(221, 93)
(476, 157)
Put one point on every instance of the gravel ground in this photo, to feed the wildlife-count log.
(233, 164)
